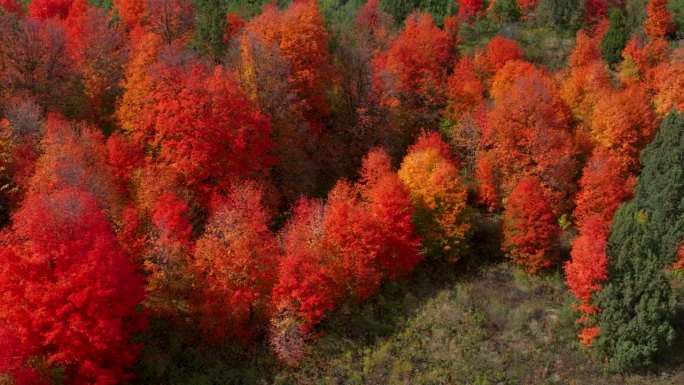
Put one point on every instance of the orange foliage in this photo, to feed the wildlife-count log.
(527, 132)
(130, 107)
(131, 11)
(438, 195)
(669, 83)
(301, 36)
(624, 123)
(583, 89)
(659, 22)
(501, 50)
(465, 89)
(504, 78)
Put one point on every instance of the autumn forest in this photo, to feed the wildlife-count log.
(341, 192)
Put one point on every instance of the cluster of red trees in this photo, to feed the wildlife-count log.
(142, 179)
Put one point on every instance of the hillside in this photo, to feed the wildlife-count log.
(487, 326)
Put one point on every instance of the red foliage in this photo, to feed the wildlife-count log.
(12, 6)
(48, 9)
(124, 155)
(526, 7)
(604, 185)
(234, 24)
(501, 50)
(75, 156)
(469, 10)
(389, 205)
(465, 89)
(530, 228)
(204, 128)
(234, 265)
(304, 287)
(596, 10)
(659, 22)
(70, 292)
(527, 132)
(91, 37)
(35, 61)
(415, 65)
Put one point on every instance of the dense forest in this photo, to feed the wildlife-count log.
(341, 192)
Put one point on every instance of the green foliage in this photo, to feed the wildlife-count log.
(564, 15)
(399, 9)
(440, 9)
(507, 11)
(210, 24)
(660, 189)
(107, 4)
(616, 38)
(638, 306)
(635, 14)
(677, 9)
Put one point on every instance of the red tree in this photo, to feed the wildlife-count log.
(501, 50)
(92, 37)
(527, 132)
(47, 9)
(69, 290)
(604, 185)
(12, 6)
(234, 265)
(530, 228)
(659, 22)
(469, 10)
(203, 128)
(389, 205)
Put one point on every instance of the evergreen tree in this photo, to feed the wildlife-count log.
(507, 11)
(209, 27)
(399, 9)
(638, 306)
(565, 15)
(616, 38)
(660, 190)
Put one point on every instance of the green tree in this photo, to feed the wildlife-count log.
(209, 26)
(440, 9)
(637, 305)
(507, 11)
(399, 9)
(564, 15)
(660, 189)
(635, 15)
(616, 38)
(677, 9)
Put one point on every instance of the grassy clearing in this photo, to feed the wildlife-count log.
(489, 326)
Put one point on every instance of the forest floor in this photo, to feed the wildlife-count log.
(490, 325)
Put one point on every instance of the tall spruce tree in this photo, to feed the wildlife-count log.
(637, 304)
(615, 40)
(660, 191)
(209, 26)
